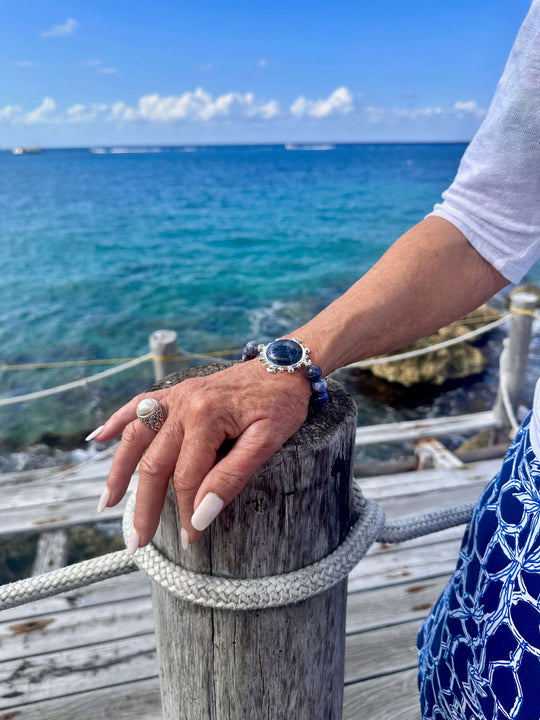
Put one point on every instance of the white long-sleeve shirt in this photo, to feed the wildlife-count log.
(495, 197)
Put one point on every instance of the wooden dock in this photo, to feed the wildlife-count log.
(90, 653)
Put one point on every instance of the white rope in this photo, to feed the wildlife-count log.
(208, 590)
(271, 591)
(66, 578)
(430, 348)
(247, 594)
(76, 383)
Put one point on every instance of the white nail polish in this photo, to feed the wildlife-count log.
(184, 539)
(94, 434)
(207, 511)
(133, 542)
(104, 500)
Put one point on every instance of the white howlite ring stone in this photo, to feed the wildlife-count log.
(146, 406)
(149, 412)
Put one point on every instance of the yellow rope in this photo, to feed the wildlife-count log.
(198, 356)
(523, 311)
(114, 361)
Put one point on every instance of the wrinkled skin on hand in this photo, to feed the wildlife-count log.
(259, 410)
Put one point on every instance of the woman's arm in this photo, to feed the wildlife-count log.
(429, 277)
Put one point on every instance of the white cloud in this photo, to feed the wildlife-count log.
(196, 105)
(15, 115)
(200, 106)
(459, 109)
(206, 67)
(68, 28)
(262, 63)
(26, 63)
(10, 112)
(340, 102)
(41, 114)
(81, 113)
(469, 107)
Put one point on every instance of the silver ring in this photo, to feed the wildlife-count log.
(150, 412)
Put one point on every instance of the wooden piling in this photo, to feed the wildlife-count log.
(163, 345)
(276, 663)
(514, 360)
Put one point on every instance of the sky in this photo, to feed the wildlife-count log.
(179, 72)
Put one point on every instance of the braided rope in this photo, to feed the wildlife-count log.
(66, 578)
(414, 526)
(233, 594)
(271, 591)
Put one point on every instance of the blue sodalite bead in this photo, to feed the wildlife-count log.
(284, 352)
(313, 372)
(319, 399)
(250, 350)
(319, 386)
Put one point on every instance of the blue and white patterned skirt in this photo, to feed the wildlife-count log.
(479, 648)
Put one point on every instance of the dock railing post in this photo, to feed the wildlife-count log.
(514, 361)
(283, 662)
(163, 344)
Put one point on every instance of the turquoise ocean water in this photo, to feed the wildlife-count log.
(222, 244)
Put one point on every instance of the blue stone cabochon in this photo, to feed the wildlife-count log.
(285, 354)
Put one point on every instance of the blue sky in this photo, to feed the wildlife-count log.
(186, 72)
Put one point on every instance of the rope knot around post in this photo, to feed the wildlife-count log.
(266, 592)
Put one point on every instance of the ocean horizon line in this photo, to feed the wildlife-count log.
(299, 143)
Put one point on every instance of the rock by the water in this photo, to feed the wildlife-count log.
(450, 363)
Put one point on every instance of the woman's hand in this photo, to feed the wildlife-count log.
(260, 411)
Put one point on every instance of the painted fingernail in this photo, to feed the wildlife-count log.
(184, 539)
(207, 511)
(104, 500)
(94, 434)
(133, 542)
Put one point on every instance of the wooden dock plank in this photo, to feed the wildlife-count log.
(396, 566)
(380, 487)
(367, 656)
(139, 700)
(389, 697)
(54, 632)
(56, 515)
(429, 427)
(394, 604)
(37, 678)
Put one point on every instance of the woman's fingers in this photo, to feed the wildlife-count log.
(216, 488)
(126, 414)
(196, 459)
(135, 439)
(155, 469)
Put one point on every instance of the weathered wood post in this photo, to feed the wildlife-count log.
(284, 663)
(514, 360)
(163, 345)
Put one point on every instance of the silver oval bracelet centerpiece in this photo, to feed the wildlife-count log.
(284, 354)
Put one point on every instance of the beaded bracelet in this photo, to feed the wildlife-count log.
(284, 354)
